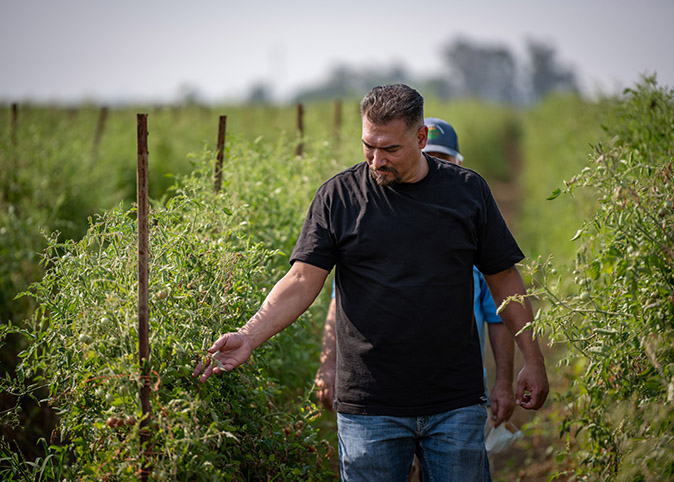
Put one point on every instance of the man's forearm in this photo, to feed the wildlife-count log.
(289, 298)
(532, 381)
(515, 315)
(503, 348)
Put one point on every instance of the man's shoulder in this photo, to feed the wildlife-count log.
(356, 170)
(348, 176)
(456, 172)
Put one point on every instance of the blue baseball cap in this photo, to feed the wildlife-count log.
(442, 138)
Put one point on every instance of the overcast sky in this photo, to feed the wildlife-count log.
(63, 50)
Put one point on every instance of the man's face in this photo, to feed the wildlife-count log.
(393, 151)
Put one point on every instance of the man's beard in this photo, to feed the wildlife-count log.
(382, 179)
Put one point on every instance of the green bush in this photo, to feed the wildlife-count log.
(206, 277)
(57, 180)
(617, 315)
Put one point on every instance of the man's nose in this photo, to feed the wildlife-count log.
(378, 159)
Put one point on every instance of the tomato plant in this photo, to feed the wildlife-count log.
(209, 277)
(616, 316)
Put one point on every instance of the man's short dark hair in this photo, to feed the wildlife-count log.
(387, 103)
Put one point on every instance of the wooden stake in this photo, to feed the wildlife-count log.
(14, 126)
(98, 135)
(222, 127)
(337, 121)
(300, 127)
(143, 310)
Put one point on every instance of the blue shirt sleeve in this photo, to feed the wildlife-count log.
(485, 303)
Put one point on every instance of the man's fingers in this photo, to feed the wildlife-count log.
(520, 393)
(494, 409)
(206, 374)
(529, 401)
(219, 344)
(497, 414)
(498, 419)
(201, 365)
(536, 399)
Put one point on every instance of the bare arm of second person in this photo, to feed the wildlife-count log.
(532, 381)
(325, 376)
(289, 298)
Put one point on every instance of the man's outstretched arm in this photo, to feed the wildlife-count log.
(289, 298)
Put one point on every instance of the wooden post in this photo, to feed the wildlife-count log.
(300, 127)
(143, 310)
(337, 121)
(14, 127)
(222, 127)
(98, 134)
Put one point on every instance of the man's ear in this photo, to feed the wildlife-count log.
(422, 136)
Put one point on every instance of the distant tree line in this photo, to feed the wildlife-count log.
(488, 72)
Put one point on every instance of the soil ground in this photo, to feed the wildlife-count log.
(532, 458)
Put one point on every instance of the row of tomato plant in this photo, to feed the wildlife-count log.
(612, 304)
(208, 273)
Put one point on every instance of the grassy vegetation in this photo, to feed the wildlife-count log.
(558, 134)
(54, 178)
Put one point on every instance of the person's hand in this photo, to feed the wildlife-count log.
(502, 401)
(228, 352)
(325, 385)
(532, 385)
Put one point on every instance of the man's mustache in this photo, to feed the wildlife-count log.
(382, 169)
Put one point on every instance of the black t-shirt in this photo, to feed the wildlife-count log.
(407, 344)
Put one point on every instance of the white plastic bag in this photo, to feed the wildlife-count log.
(497, 439)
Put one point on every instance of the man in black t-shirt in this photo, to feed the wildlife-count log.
(403, 231)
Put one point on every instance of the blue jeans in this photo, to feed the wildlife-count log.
(450, 446)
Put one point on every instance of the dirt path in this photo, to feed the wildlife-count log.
(508, 194)
(532, 458)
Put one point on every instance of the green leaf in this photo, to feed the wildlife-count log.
(555, 194)
(578, 234)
